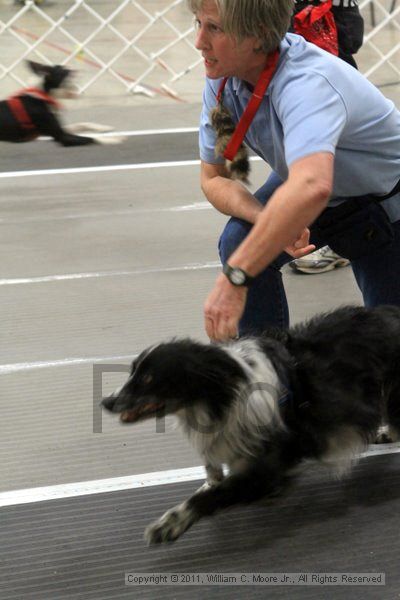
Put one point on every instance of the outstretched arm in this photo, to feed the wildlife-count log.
(279, 226)
(292, 208)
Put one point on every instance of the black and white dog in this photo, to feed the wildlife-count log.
(33, 111)
(263, 406)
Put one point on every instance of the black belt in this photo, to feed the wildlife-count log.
(394, 191)
(358, 200)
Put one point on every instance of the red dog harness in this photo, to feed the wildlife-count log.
(20, 113)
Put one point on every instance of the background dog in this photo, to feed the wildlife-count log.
(264, 405)
(33, 111)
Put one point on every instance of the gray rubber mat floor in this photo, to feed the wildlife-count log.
(81, 548)
(96, 266)
(137, 149)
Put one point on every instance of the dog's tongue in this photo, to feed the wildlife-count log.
(129, 416)
(132, 415)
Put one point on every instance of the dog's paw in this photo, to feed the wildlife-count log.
(109, 139)
(383, 438)
(386, 435)
(97, 127)
(88, 128)
(170, 526)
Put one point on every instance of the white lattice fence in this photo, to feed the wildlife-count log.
(136, 45)
(382, 42)
(147, 46)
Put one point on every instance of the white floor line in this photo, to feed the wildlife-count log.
(8, 369)
(116, 484)
(99, 274)
(105, 168)
(137, 132)
(194, 207)
(100, 486)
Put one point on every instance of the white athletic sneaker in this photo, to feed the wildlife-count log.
(320, 261)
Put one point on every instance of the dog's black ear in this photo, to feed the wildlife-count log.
(38, 68)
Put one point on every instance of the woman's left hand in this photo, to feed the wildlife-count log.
(223, 308)
(225, 304)
(301, 246)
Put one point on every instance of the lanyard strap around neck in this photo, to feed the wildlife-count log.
(252, 106)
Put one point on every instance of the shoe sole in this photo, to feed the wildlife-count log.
(338, 264)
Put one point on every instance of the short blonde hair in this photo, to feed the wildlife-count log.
(266, 20)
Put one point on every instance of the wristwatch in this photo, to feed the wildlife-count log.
(237, 276)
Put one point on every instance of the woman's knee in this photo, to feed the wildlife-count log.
(236, 229)
(234, 233)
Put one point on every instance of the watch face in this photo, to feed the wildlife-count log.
(237, 277)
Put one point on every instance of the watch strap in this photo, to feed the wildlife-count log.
(237, 276)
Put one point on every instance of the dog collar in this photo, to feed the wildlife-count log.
(252, 106)
(40, 94)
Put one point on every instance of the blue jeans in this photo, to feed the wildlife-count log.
(377, 274)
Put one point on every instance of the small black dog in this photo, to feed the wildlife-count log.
(33, 111)
(264, 405)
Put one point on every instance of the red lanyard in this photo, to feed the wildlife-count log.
(252, 106)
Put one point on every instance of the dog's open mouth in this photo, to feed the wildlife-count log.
(143, 411)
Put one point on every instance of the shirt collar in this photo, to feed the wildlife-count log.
(239, 86)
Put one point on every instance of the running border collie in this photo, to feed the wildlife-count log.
(265, 405)
(34, 111)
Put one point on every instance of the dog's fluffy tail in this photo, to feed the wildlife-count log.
(222, 122)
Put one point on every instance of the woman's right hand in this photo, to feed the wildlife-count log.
(301, 246)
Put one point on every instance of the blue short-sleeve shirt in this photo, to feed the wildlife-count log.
(317, 103)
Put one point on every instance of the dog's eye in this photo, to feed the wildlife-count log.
(147, 379)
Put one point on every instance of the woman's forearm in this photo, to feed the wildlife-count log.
(291, 208)
(228, 196)
(231, 198)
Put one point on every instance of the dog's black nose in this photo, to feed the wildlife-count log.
(108, 403)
